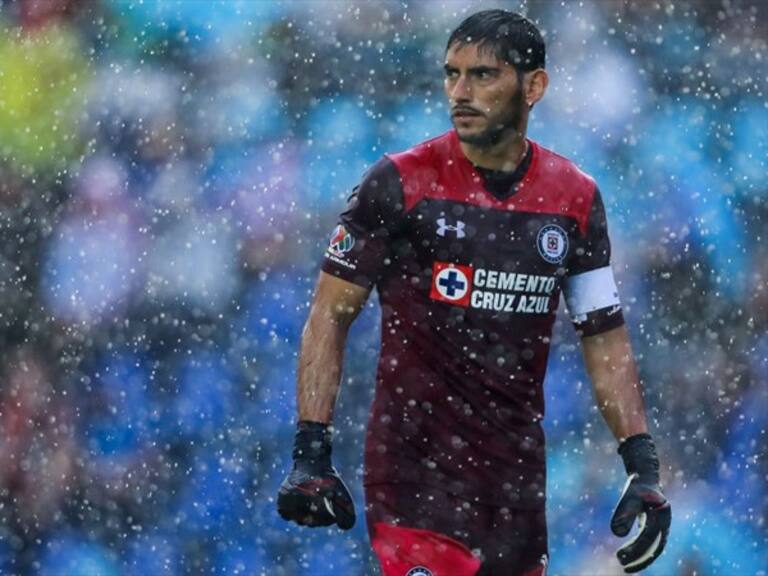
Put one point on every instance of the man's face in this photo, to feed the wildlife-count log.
(484, 93)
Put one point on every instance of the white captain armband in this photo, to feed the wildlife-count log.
(593, 301)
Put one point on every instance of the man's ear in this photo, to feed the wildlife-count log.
(536, 83)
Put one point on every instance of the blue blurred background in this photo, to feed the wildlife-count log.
(169, 174)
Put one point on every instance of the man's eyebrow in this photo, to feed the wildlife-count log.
(474, 69)
(477, 69)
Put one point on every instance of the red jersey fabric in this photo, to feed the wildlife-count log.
(469, 284)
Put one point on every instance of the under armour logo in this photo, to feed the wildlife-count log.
(442, 227)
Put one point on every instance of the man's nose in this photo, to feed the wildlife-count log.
(461, 91)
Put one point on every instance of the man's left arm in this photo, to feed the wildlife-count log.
(593, 302)
(611, 366)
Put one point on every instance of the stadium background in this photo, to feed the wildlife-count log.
(169, 175)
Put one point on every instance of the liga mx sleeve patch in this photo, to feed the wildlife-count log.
(341, 241)
(451, 283)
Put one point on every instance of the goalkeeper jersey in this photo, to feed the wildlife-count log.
(469, 268)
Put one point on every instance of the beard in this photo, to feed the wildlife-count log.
(500, 127)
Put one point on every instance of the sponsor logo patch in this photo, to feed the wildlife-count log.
(341, 241)
(495, 290)
(552, 242)
(419, 571)
(451, 283)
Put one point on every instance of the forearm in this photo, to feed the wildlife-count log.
(335, 306)
(320, 365)
(612, 369)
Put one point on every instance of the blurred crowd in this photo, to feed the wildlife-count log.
(169, 175)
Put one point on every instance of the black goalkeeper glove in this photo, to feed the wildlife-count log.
(641, 499)
(313, 494)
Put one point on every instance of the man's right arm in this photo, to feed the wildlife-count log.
(335, 306)
(314, 494)
(356, 257)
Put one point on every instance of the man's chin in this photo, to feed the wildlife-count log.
(484, 137)
(470, 136)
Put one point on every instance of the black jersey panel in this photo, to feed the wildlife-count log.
(359, 246)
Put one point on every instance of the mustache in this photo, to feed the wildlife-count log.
(465, 110)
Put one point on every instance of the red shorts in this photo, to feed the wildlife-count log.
(419, 531)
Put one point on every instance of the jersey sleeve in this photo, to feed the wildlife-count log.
(360, 245)
(591, 295)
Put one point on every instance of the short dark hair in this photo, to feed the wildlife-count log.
(511, 37)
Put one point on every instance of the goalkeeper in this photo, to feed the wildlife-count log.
(470, 239)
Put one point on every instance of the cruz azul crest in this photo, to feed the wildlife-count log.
(552, 243)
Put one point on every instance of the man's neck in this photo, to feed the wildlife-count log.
(504, 155)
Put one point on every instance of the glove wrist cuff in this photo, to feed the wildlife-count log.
(639, 455)
(312, 442)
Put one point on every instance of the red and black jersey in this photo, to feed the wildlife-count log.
(469, 275)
